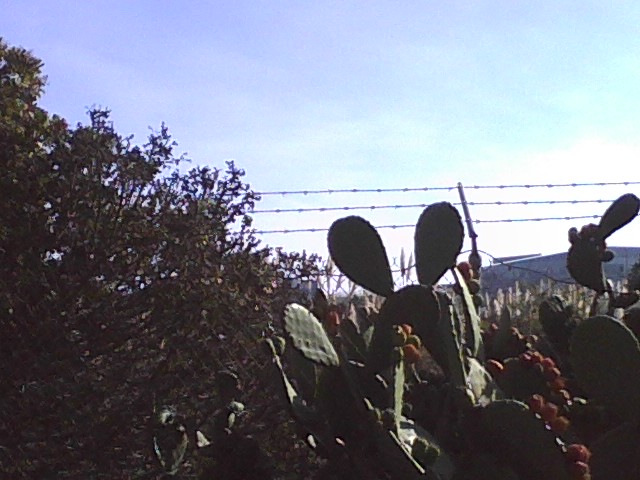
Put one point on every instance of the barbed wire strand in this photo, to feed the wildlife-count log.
(424, 205)
(412, 225)
(425, 189)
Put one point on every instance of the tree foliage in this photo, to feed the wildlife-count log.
(634, 276)
(124, 281)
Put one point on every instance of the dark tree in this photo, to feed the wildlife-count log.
(124, 282)
(634, 276)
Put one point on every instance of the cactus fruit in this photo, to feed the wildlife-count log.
(411, 353)
(408, 329)
(578, 453)
(536, 403)
(332, 322)
(494, 367)
(549, 412)
(559, 425)
(465, 270)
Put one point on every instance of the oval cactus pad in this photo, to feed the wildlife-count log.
(606, 360)
(356, 248)
(438, 241)
(512, 430)
(308, 336)
(621, 212)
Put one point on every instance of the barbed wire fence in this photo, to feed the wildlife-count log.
(334, 283)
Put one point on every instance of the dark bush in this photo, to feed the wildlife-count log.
(125, 281)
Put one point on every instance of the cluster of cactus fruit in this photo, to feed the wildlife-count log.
(419, 390)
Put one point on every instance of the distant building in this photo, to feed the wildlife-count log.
(530, 269)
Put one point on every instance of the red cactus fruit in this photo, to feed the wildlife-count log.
(536, 403)
(526, 358)
(494, 367)
(411, 353)
(465, 270)
(576, 452)
(536, 357)
(549, 412)
(408, 329)
(332, 322)
(548, 363)
(559, 424)
(558, 384)
(551, 373)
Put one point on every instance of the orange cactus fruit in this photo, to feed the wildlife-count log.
(526, 358)
(332, 322)
(576, 452)
(411, 353)
(536, 403)
(559, 425)
(558, 384)
(548, 363)
(494, 367)
(536, 357)
(549, 412)
(465, 270)
(408, 329)
(551, 373)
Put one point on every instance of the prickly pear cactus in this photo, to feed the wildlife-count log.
(606, 362)
(588, 246)
(356, 248)
(438, 241)
(556, 318)
(308, 336)
(510, 429)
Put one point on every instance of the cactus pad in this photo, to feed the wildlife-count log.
(308, 336)
(356, 248)
(510, 429)
(621, 212)
(438, 241)
(473, 336)
(605, 356)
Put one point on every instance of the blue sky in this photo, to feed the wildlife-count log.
(366, 94)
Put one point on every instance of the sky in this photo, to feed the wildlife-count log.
(328, 95)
